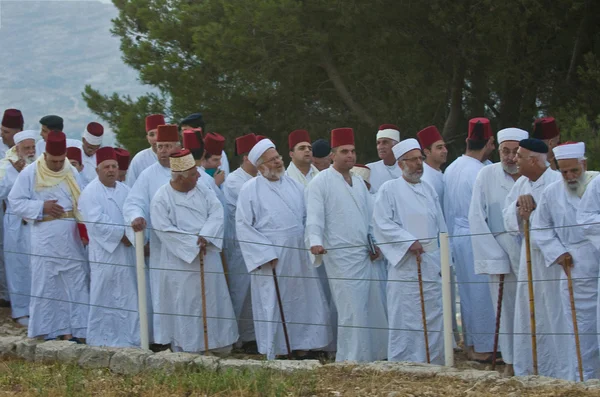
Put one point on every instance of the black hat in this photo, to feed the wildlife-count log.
(535, 145)
(321, 148)
(52, 122)
(194, 120)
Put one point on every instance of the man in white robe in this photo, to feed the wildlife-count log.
(301, 168)
(136, 208)
(196, 121)
(496, 252)
(477, 312)
(545, 129)
(113, 320)
(339, 211)
(123, 158)
(17, 233)
(146, 157)
(49, 123)
(46, 194)
(387, 168)
(270, 220)
(408, 210)
(434, 149)
(321, 154)
(91, 140)
(12, 123)
(559, 241)
(239, 278)
(188, 220)
(522, 200)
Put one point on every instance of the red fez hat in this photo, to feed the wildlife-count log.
(123, 157)
(245, 143)
(480, 129)
(428, 136)
(95, 129)
(191, 138)
(545, 128)
(56, 143)
(153, 121)
(74, 153)
(342, 136)
(214, 143)
(260, 138)
(13, 118)
(296, 137)
(167, 133)
(105, 153)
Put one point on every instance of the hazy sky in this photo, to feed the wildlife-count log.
(49, 50)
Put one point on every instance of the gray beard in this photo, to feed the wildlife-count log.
(510, 169)
(272, 174)
(412, 177)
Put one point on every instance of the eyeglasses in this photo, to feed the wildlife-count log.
(415, 159)
(272, 159)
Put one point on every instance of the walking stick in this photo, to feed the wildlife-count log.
(574, 315)
(202, 286)
(423, 308)
(498, 315)
(285, 332)
(531, 296)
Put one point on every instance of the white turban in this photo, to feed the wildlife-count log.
(363, 171)
(389, 133)
(259, 149)
(405, 146)
(569, 151)
(512, 134)
(27, 134)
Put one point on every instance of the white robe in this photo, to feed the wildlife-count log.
(113, 320)
(89, 166)
(224, 163)
(179, 218)
(17, 249)
(435, 178)
(405, 213)
(239, 278)
(558, 208)
(59, 282)
(338, 218)
(552, 350)
(270, 221)
(139, 163)
(297, 175)
(495, 252)
(381, 173)
(477, 311)
(4, 294)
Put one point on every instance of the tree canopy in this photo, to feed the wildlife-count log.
(272, 66)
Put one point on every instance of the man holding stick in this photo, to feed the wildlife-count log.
(270, 218)
(188, 220)
(563, 245)
(495, 252)
(407, 219)
(520, 203)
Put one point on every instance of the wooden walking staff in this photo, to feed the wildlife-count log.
(498, 313)
(531, 296)
(285, 332)
(423, 308)
(569, 263)
(202, 286)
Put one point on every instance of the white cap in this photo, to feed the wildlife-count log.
(569, 151)
(405, 146)
(261, 146)
(183, 163)
(389, 133)
(27, 134)
(512, 134)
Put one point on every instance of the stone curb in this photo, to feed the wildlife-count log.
(131, 361)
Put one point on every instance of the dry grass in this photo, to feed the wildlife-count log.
(28, 379)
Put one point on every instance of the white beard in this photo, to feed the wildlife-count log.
(510, 169)
(412, 177)
(272, 174)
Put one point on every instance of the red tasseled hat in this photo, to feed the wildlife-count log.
(342, 136)
(245, 143)
(297, 136)
(105, 153)
(214, 143)
(545, 128)
(153, 121)
(12, 118)
(260, 138)
(191, 138)
(74, 153)
(95, 129)
(167, 133)
(123, 158)
(480, 129)
(56, 143)
(428, 136)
